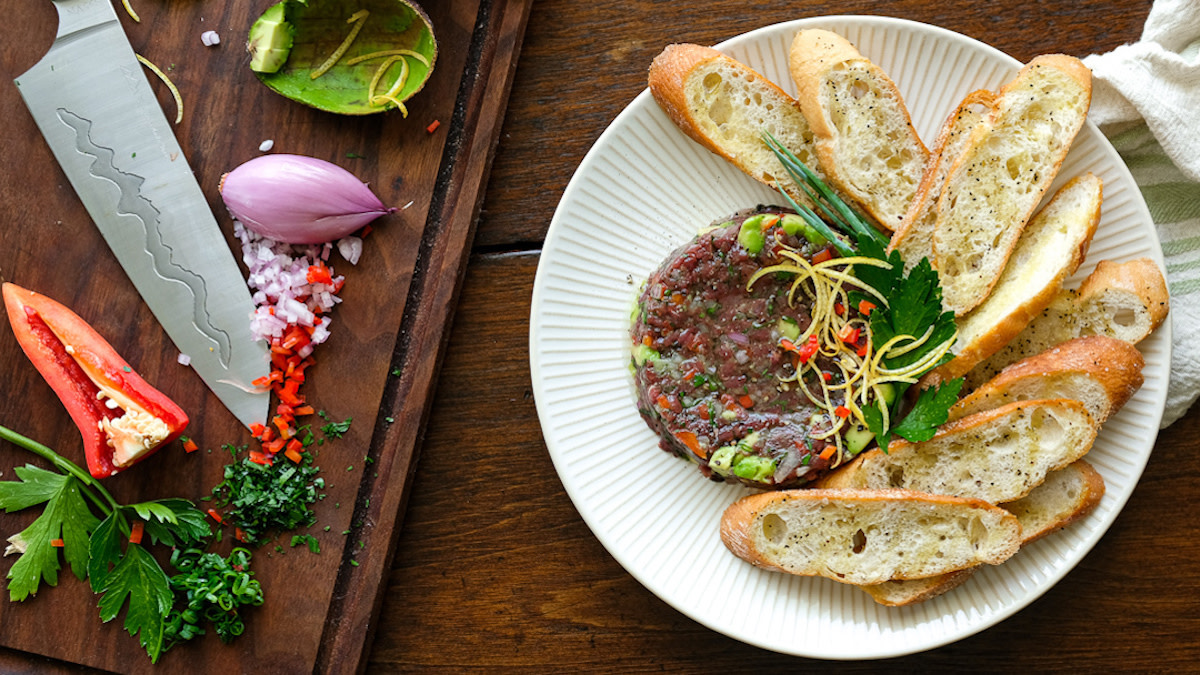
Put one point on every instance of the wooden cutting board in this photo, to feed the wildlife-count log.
(379, 367)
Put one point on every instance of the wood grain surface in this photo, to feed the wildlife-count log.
(495, 571)
(378, 368)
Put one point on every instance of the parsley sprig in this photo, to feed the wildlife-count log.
(914, 306)
(100, 539)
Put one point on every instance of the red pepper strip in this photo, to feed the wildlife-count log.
(746, 401)
(823, 255)
(135, 532)
(828, 452)
(79, 365)
(319, 274)
(433, 126)
(848, 334)
(689, 439)
(57, 543)
(212, 513)
(865, 307)
(809, 349)
(190, 446)
(842, 411)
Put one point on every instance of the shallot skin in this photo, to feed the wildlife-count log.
(299, 200)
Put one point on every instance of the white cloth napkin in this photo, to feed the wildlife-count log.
(1146, 99)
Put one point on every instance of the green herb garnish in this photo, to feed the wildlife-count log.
(101, 540)
(913, 308)
(210, 589)
(265, 499)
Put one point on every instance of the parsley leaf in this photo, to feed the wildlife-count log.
(137, 576)
(335, 429)
(66, 517)
(173, 522)
(913, 308)
(929, 412)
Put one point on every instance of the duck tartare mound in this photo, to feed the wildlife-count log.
(715, 356)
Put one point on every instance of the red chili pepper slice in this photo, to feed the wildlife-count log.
(122, 418)
(809, 349)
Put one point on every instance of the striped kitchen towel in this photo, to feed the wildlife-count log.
(1146, 98)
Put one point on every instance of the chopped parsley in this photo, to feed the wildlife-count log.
(264, 499)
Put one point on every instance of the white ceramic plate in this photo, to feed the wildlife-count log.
(643, 190)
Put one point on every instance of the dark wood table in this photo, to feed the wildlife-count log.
(496, 571)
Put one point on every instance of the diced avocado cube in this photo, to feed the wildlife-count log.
(644, 353)
(721, 461)
(750, 236)
(857, 438)
(788, 328)
(754, 468)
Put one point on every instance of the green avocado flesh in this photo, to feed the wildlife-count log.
(317, 28)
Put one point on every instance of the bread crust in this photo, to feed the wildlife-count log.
(813, 56)
(741, 525)
(668, 79)
(1114, 364)
(1089, 490)
(967, 280)
(875, 469)
(914, 237)
(1140, 276)
(1072, 234)
(1136, 285)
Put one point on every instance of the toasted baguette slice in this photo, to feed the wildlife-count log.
(914, 237)
(1049, 250)
(997, 456)
(724, 105)
(1100, 372)
(1126, 301)
(1008, 164)
(1067, 495)
(864, 136)
(867, 536)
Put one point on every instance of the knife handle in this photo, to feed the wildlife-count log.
(80, 15)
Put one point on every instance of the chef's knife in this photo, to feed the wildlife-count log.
(93, 103)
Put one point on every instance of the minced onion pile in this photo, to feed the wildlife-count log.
(280, 288)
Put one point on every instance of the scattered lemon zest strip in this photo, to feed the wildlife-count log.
(379, 73)
(390, 96)
(394, 91)
(129, 8)
(170, 85)
(825, 285)
(384, 98)
(358, 19)
(390, 52)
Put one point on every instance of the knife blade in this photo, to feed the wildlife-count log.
(93, 103)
